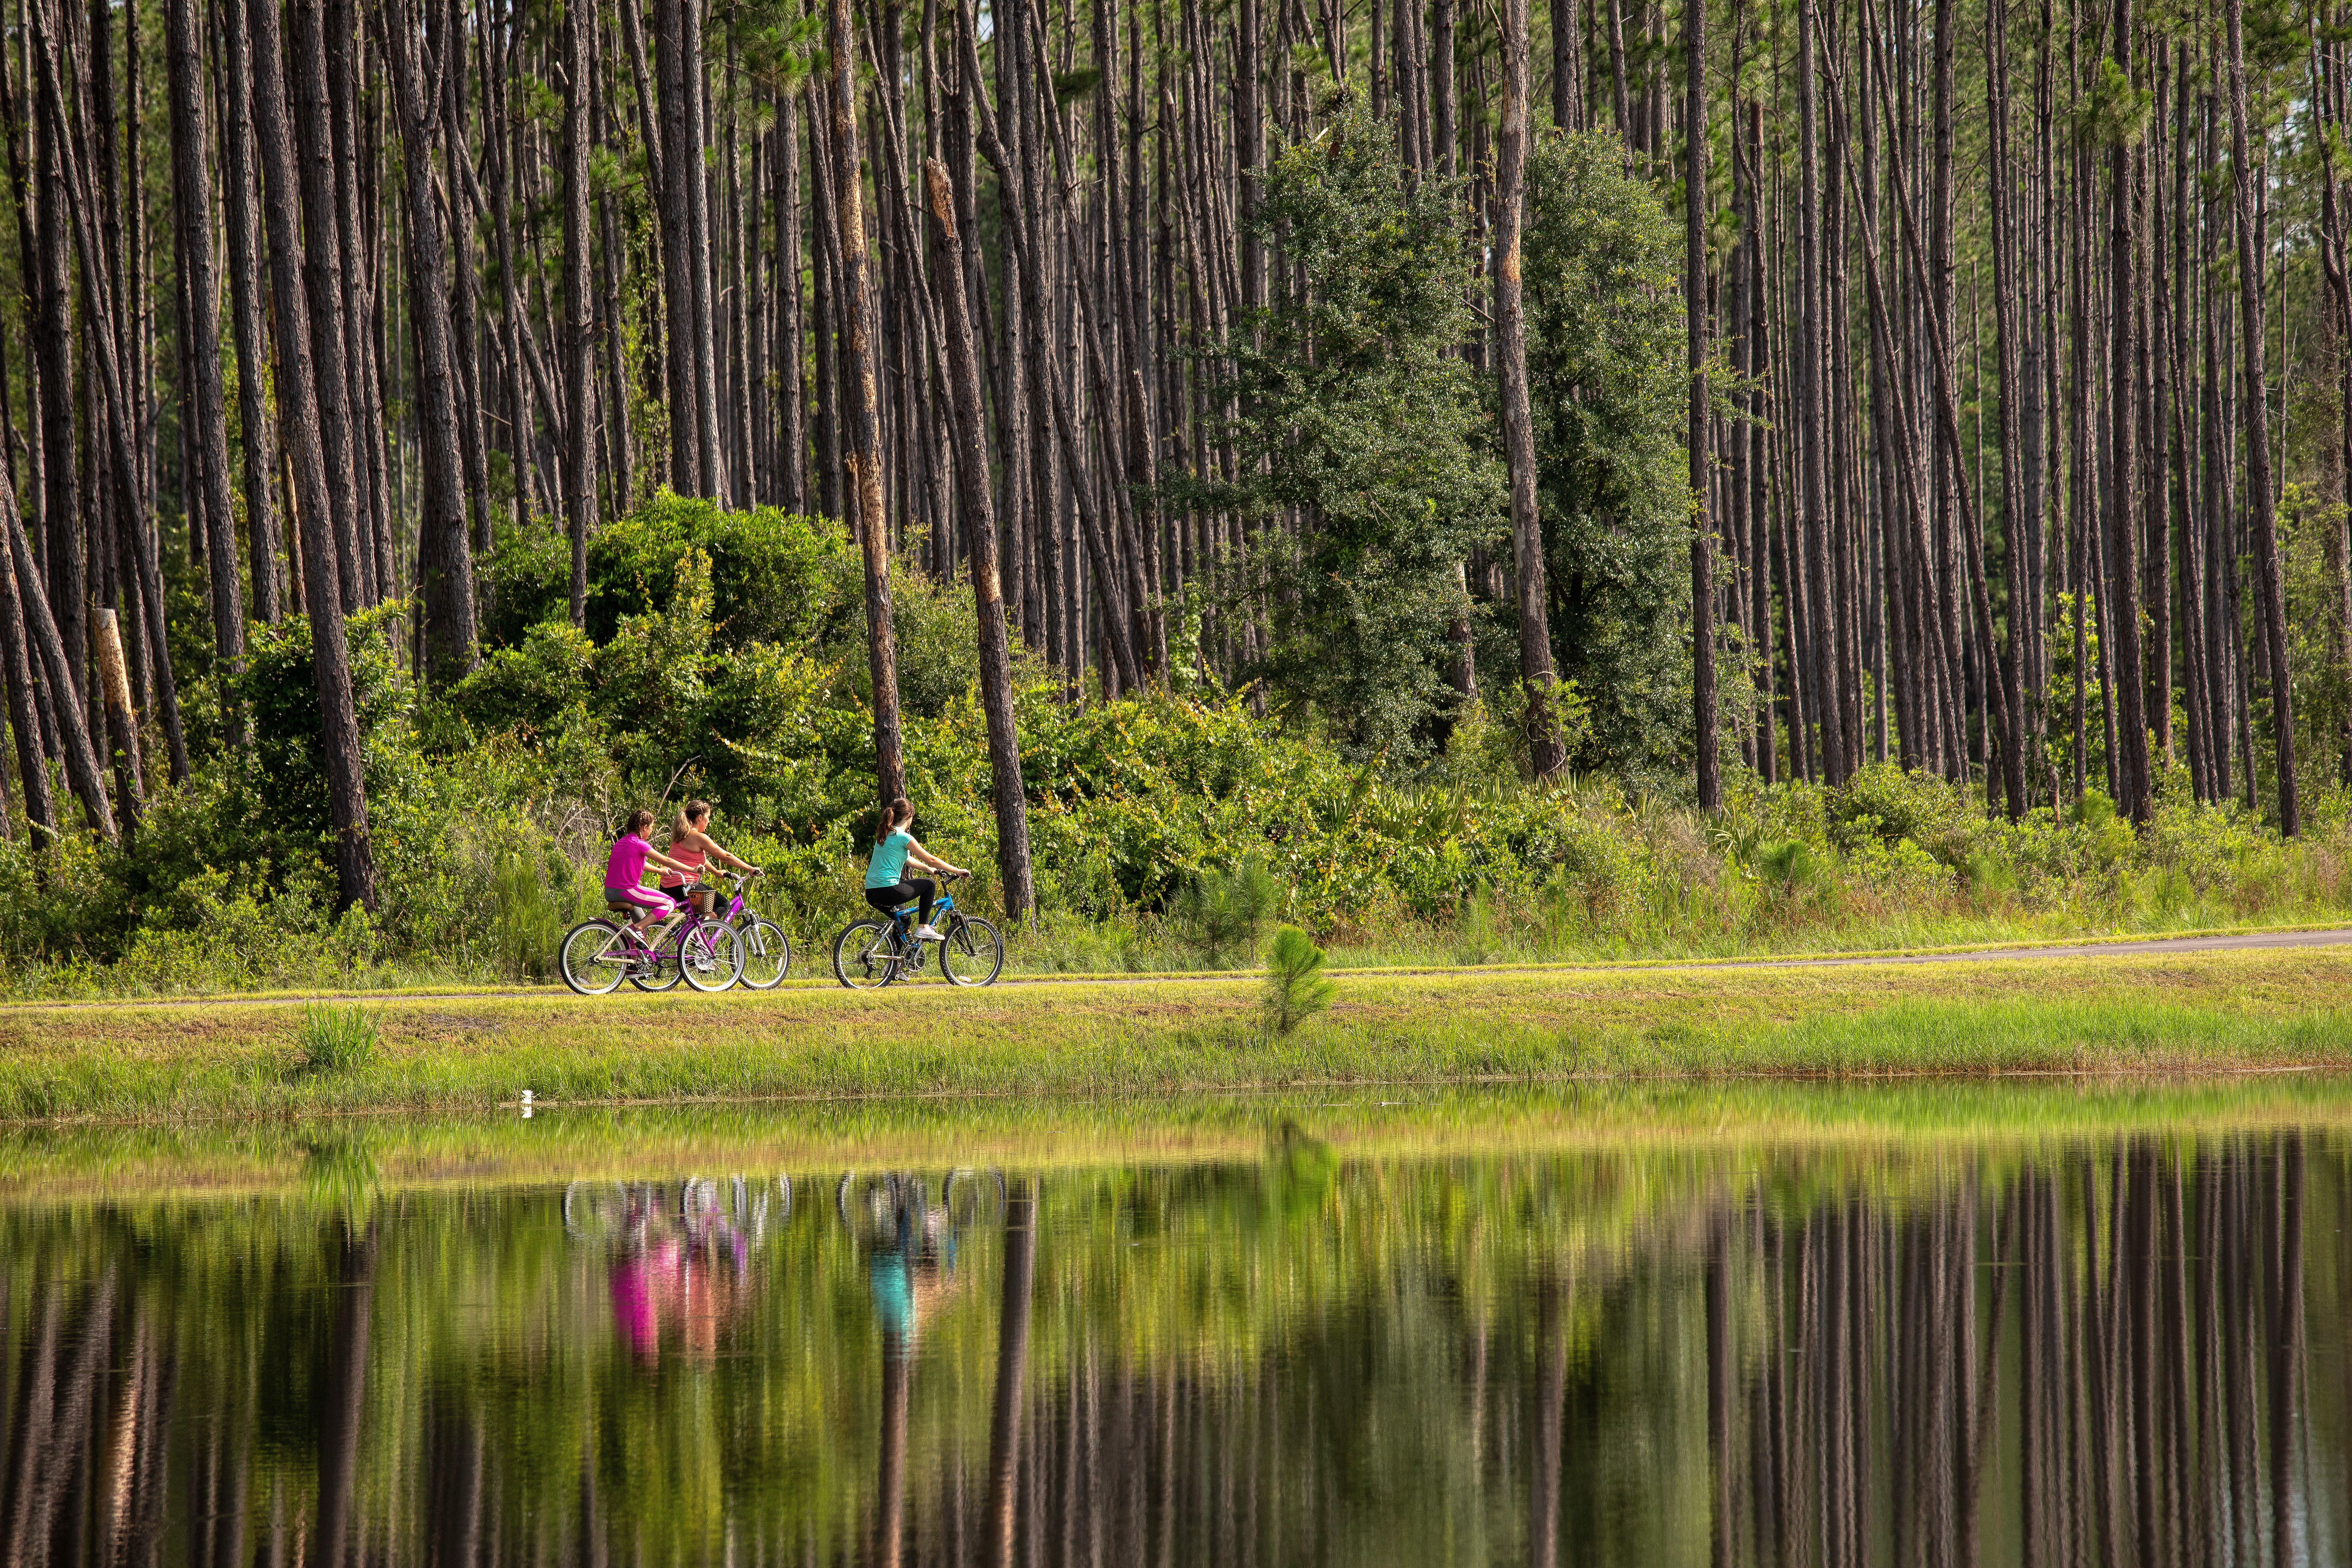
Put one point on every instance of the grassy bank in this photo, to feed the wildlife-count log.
(134, 1061)
(812, 1143)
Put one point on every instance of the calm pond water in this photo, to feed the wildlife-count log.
(2124, 1343)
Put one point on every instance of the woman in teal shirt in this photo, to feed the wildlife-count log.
(886, 883)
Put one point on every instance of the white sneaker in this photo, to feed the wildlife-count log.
(925, 933)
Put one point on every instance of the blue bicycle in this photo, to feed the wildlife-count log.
(871, 951)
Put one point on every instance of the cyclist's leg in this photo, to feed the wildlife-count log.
(653, 903)
(925, 890)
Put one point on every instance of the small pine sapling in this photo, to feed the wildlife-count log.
(1296, 986)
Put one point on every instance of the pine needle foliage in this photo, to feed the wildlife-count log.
(1296, 986)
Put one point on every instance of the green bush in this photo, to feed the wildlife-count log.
(773, 576)
(1224, 912)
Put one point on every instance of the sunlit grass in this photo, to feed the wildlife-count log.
(2127, 1014)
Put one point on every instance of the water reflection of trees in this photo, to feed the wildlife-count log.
(2129, 1352)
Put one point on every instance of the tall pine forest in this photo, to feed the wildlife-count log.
(1709, 394)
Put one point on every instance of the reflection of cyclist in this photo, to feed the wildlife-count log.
(909, 1269)
(693, 1279)
(633, 1304)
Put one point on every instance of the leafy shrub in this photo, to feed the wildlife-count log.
(540, 685)
(774, 573)
(282, 696)
(773, 576)
(336, 1039)
(1296, 986)
(1224, 911)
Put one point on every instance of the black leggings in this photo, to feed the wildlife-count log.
(887, 900)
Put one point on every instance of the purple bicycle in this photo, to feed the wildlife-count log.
(598, 955)
(767, 952)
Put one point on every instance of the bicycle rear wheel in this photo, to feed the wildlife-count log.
(973, 955)
(709, 955)
(661, 969)
(594, 958)
(767, 953)
(866, 954)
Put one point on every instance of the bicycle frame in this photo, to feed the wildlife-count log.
(639, 948)
(911, 957)
(942, 905)
(736, 907)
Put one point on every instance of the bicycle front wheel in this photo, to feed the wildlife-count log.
(710, 955)
(594, 958)
(973, 955)
(866, 954)
(767, 954)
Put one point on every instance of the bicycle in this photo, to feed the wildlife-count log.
(598, 955)
(767, 951)
(871, 951)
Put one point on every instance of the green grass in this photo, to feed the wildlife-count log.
(2128, 1013)
(1920, 1117)
(336, 1038)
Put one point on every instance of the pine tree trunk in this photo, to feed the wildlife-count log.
(701, 253)
(2337, 267)
(83, 773)
(370, 522)
(138, 568)
(445, 559)
(1701, 548)
(323, 280)
(578, 328)
(793, 437)
(2271, 585)
(2122, 642)
(2003, 195)
(264, 545)
(206, 409)
(1545, 751)
(862, 442)
(947, 277)
(16, 667)
(67, 584)
(297, 417)
(445, 32)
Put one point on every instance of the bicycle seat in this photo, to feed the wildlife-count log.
(618, 907)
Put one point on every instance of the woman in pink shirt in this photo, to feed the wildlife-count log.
(625, 872)
(692, 847)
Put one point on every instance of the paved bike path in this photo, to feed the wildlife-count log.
(2122, 947)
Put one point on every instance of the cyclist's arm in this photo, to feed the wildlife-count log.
(927, 860)
(655, 857)
(712, 845)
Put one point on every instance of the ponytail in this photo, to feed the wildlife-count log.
(692, 812)
(897, 812)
